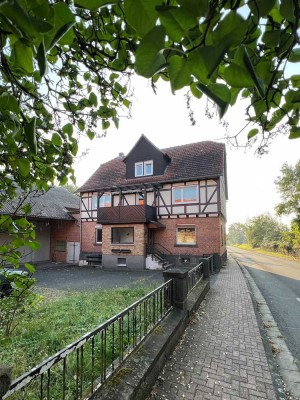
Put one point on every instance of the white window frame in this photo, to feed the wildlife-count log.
(94, 202)
(182, 201)
(143, 165)
(186, 227)
(98, 229)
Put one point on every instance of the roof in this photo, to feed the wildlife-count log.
(56, 203)
(191, 161)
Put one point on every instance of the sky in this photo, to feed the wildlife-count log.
(163, 119)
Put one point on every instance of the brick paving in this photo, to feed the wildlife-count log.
(221, 355)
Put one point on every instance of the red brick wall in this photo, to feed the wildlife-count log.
(208, 235)
(88, 238)
(68, 231)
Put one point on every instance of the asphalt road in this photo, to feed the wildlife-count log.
(68, 277)
(278, 279)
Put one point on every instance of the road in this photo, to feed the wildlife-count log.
(278, 279)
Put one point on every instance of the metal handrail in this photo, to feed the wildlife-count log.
(121, 334)
(195, 275)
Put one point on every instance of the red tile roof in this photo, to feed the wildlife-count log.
(191, 161)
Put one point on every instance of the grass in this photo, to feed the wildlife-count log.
(61, 318)
(264, 251)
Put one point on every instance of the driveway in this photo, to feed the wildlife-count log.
(69, 277)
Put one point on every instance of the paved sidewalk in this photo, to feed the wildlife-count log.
(221, 355)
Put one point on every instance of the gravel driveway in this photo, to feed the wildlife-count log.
(69, 277)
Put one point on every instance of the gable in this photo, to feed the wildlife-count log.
(145, 151)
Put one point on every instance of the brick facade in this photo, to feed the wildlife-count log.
(208, 235)
(67, 231)
(88, 238)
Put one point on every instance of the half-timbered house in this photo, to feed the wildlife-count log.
(154, 202)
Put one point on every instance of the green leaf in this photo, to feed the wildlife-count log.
(219, 94)
(295, 79)
(198, 8)
(179, 72)
(94, 5)
(81, 125)
(271, 38)
(205, 60)
(105, 124)
(56, 139)
(294, 132)
(177, 21)
(126, 103)
(24, 165)
(237, 76)
(30, 135)
(195, 91)
(30, 268)
(60, 34)
(294, 56)
(287, 9)
(42, 60)
(259, 84)
(68, 128)
(141, 14)
(252, 133)
(8, 102)
(90, 134)
(63, 20)
(261, 8)
(23, 57)
(93, 99)
(149, 55)
(230, 31)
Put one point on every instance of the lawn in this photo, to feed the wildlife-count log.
(58, 320)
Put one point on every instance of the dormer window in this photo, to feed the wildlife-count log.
(144, 168)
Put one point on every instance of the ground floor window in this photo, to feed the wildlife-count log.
(98, 234)
(186, 235)
(122, 235)
(122, 262)
(60, 245)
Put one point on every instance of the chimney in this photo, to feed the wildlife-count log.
(121, 154)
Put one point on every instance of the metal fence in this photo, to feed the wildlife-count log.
(195, 275)
(78, 370)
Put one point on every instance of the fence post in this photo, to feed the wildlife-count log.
(5, 379)
(180, 286)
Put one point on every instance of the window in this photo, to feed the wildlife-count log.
(144, 168)
(186, 235)
(94, 202)
(122, 235)
(185, 194)
(105, 200)
(122, 262)
(60, 245)
(141, 199)
(98, 235)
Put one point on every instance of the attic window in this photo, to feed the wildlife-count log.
(144, 168)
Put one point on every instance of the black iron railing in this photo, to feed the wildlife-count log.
(195, 275)
(78, 370)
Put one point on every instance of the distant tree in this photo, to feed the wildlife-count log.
(288, 184)
(290, 242)
(264, 231)
(236, 233)
(71, 188)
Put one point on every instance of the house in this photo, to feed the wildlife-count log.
(156, 201)
(55, 214)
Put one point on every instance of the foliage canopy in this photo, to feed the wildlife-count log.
(288, 185)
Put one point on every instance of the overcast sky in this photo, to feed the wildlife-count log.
(163, 118)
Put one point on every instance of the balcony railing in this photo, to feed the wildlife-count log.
(126, 214)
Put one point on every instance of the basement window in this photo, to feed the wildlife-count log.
(122, 262)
